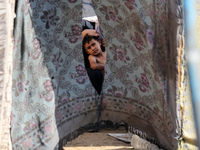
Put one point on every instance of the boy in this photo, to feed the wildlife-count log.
(93, 47)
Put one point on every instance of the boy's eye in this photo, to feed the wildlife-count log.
(93, 44)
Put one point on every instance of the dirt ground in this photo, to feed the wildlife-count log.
(99, 141)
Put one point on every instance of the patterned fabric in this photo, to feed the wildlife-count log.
(48, 76)
(52, 95)
(135, 33)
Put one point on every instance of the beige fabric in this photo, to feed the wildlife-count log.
(188, 140)
(6, 30)
(175, 23)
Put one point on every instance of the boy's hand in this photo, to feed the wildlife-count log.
(102, 42)
(90, 32)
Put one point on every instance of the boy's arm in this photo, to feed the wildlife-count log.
(90, 32)
(94, 65)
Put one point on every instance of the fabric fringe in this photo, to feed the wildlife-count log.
(105, 124)
(145, 136)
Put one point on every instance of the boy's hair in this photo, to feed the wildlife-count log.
(88, 38)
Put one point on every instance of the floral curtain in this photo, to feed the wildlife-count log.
(53, 99)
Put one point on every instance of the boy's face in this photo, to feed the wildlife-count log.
(93, 47)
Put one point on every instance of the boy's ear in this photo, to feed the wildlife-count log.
(86, 51)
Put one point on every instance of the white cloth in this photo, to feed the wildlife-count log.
(6, 48)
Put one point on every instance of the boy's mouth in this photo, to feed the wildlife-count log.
(95, 51)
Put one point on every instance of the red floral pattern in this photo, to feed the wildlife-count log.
(150, 36)
(49, 97)
(78, 106)
(76, 30)
(75, 34)
(36, 43)
(112, 15)
(143, 83)
(48, 85)
(80, 70)
(36, 54)
(27, 144)
(138, 42)
(20, 87)
(49, 17)
(80, 80)
(130, 4)
(120, 55)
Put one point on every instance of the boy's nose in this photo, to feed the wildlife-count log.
(93, 48)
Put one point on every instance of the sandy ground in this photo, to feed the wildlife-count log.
(99, 141)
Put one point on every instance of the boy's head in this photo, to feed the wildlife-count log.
(91, 45)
